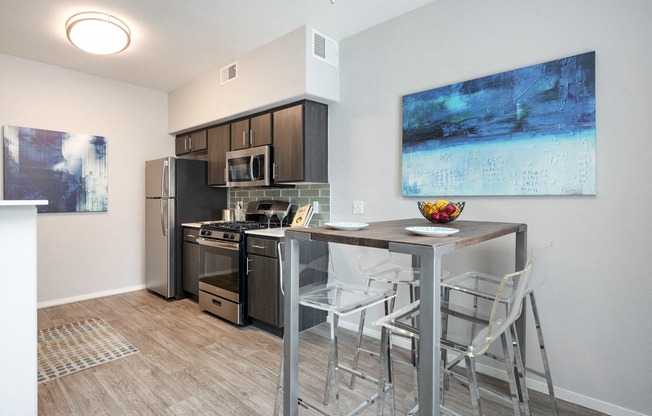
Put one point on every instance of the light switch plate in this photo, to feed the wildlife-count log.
(358, 207)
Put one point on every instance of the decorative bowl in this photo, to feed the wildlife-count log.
(440, 211)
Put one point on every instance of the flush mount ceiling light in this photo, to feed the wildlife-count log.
(98, 33)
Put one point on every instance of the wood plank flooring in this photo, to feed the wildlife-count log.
(193, 363)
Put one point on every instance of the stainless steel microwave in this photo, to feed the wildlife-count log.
(249, 167)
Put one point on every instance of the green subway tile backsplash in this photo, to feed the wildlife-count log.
(302, 194)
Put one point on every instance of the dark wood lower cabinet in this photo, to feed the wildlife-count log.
(190, 274)
(264, 296)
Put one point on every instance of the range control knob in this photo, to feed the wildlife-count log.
(205, 232)
(226, 235)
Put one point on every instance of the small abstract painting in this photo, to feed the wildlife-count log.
(530, 131)
(69, 170)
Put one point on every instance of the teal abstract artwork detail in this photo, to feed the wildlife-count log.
(530, 131)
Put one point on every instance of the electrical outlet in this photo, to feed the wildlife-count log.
(358, 207)
(315, 207)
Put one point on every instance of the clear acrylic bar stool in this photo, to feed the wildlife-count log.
(339, 299)
(379, 267)
(482, 286)
(473, 336)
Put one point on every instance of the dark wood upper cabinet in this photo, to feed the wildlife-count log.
(301, 143)
(261, 129)
(251, 132)
(191, 142)
(298, 133)
(218, 144)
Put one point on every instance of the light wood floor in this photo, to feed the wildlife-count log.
(192, 363)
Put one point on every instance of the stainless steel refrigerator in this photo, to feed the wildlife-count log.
(176, 192)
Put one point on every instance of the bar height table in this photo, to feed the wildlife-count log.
(427, 252)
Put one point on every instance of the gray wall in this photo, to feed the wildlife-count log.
(595, 304)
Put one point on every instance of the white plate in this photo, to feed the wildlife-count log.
(349, 226)
(433, 231)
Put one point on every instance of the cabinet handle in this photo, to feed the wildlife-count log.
(190, 144)
(248, 261)
(251, 137)
(244, 133)
(257, 246)
(274, 170)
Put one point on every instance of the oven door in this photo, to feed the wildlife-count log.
(219, 268)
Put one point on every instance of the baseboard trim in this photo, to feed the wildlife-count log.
(93, 295)
(533, 383)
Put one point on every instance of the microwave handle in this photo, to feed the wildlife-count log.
(251, 167)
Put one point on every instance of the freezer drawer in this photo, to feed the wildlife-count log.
(221, 307)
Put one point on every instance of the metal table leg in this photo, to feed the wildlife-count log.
(430, 315)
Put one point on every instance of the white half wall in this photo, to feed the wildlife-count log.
(80, 254)
(18, 353)
(596, 303)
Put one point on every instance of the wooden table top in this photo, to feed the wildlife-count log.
(380, 234)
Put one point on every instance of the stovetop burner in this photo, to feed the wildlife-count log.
(232, 225)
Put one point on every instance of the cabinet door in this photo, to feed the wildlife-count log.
(181, 145)
(240, 134)
(260, 129)
(198, 141)
(288, 144)
(263, 300)
(218, 144)
(190, 275)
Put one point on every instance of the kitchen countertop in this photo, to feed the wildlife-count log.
(196, 224)
(22, 203)
(191, 224)
(269, 232)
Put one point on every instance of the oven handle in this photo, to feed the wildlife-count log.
(218, 244)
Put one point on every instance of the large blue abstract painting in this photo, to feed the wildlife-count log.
(69, 170)
(529, 131)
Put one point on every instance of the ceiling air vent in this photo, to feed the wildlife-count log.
(228, 73)
(324, 48)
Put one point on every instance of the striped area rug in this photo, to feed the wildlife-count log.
(66, 349)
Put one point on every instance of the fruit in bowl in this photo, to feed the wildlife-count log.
(440, 211)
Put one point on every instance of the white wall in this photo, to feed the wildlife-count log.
(277, 73)
(596, 303)
(80, 254)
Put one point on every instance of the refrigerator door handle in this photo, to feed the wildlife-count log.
(164, 229)
(164, 175)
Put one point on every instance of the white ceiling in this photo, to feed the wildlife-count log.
(174, 41)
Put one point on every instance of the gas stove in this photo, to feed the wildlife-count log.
(228, 230)
(223, 260)
(234, 231)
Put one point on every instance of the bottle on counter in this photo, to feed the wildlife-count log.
(239, 211)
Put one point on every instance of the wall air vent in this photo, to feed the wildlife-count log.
(324, 48)
(228, 73)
